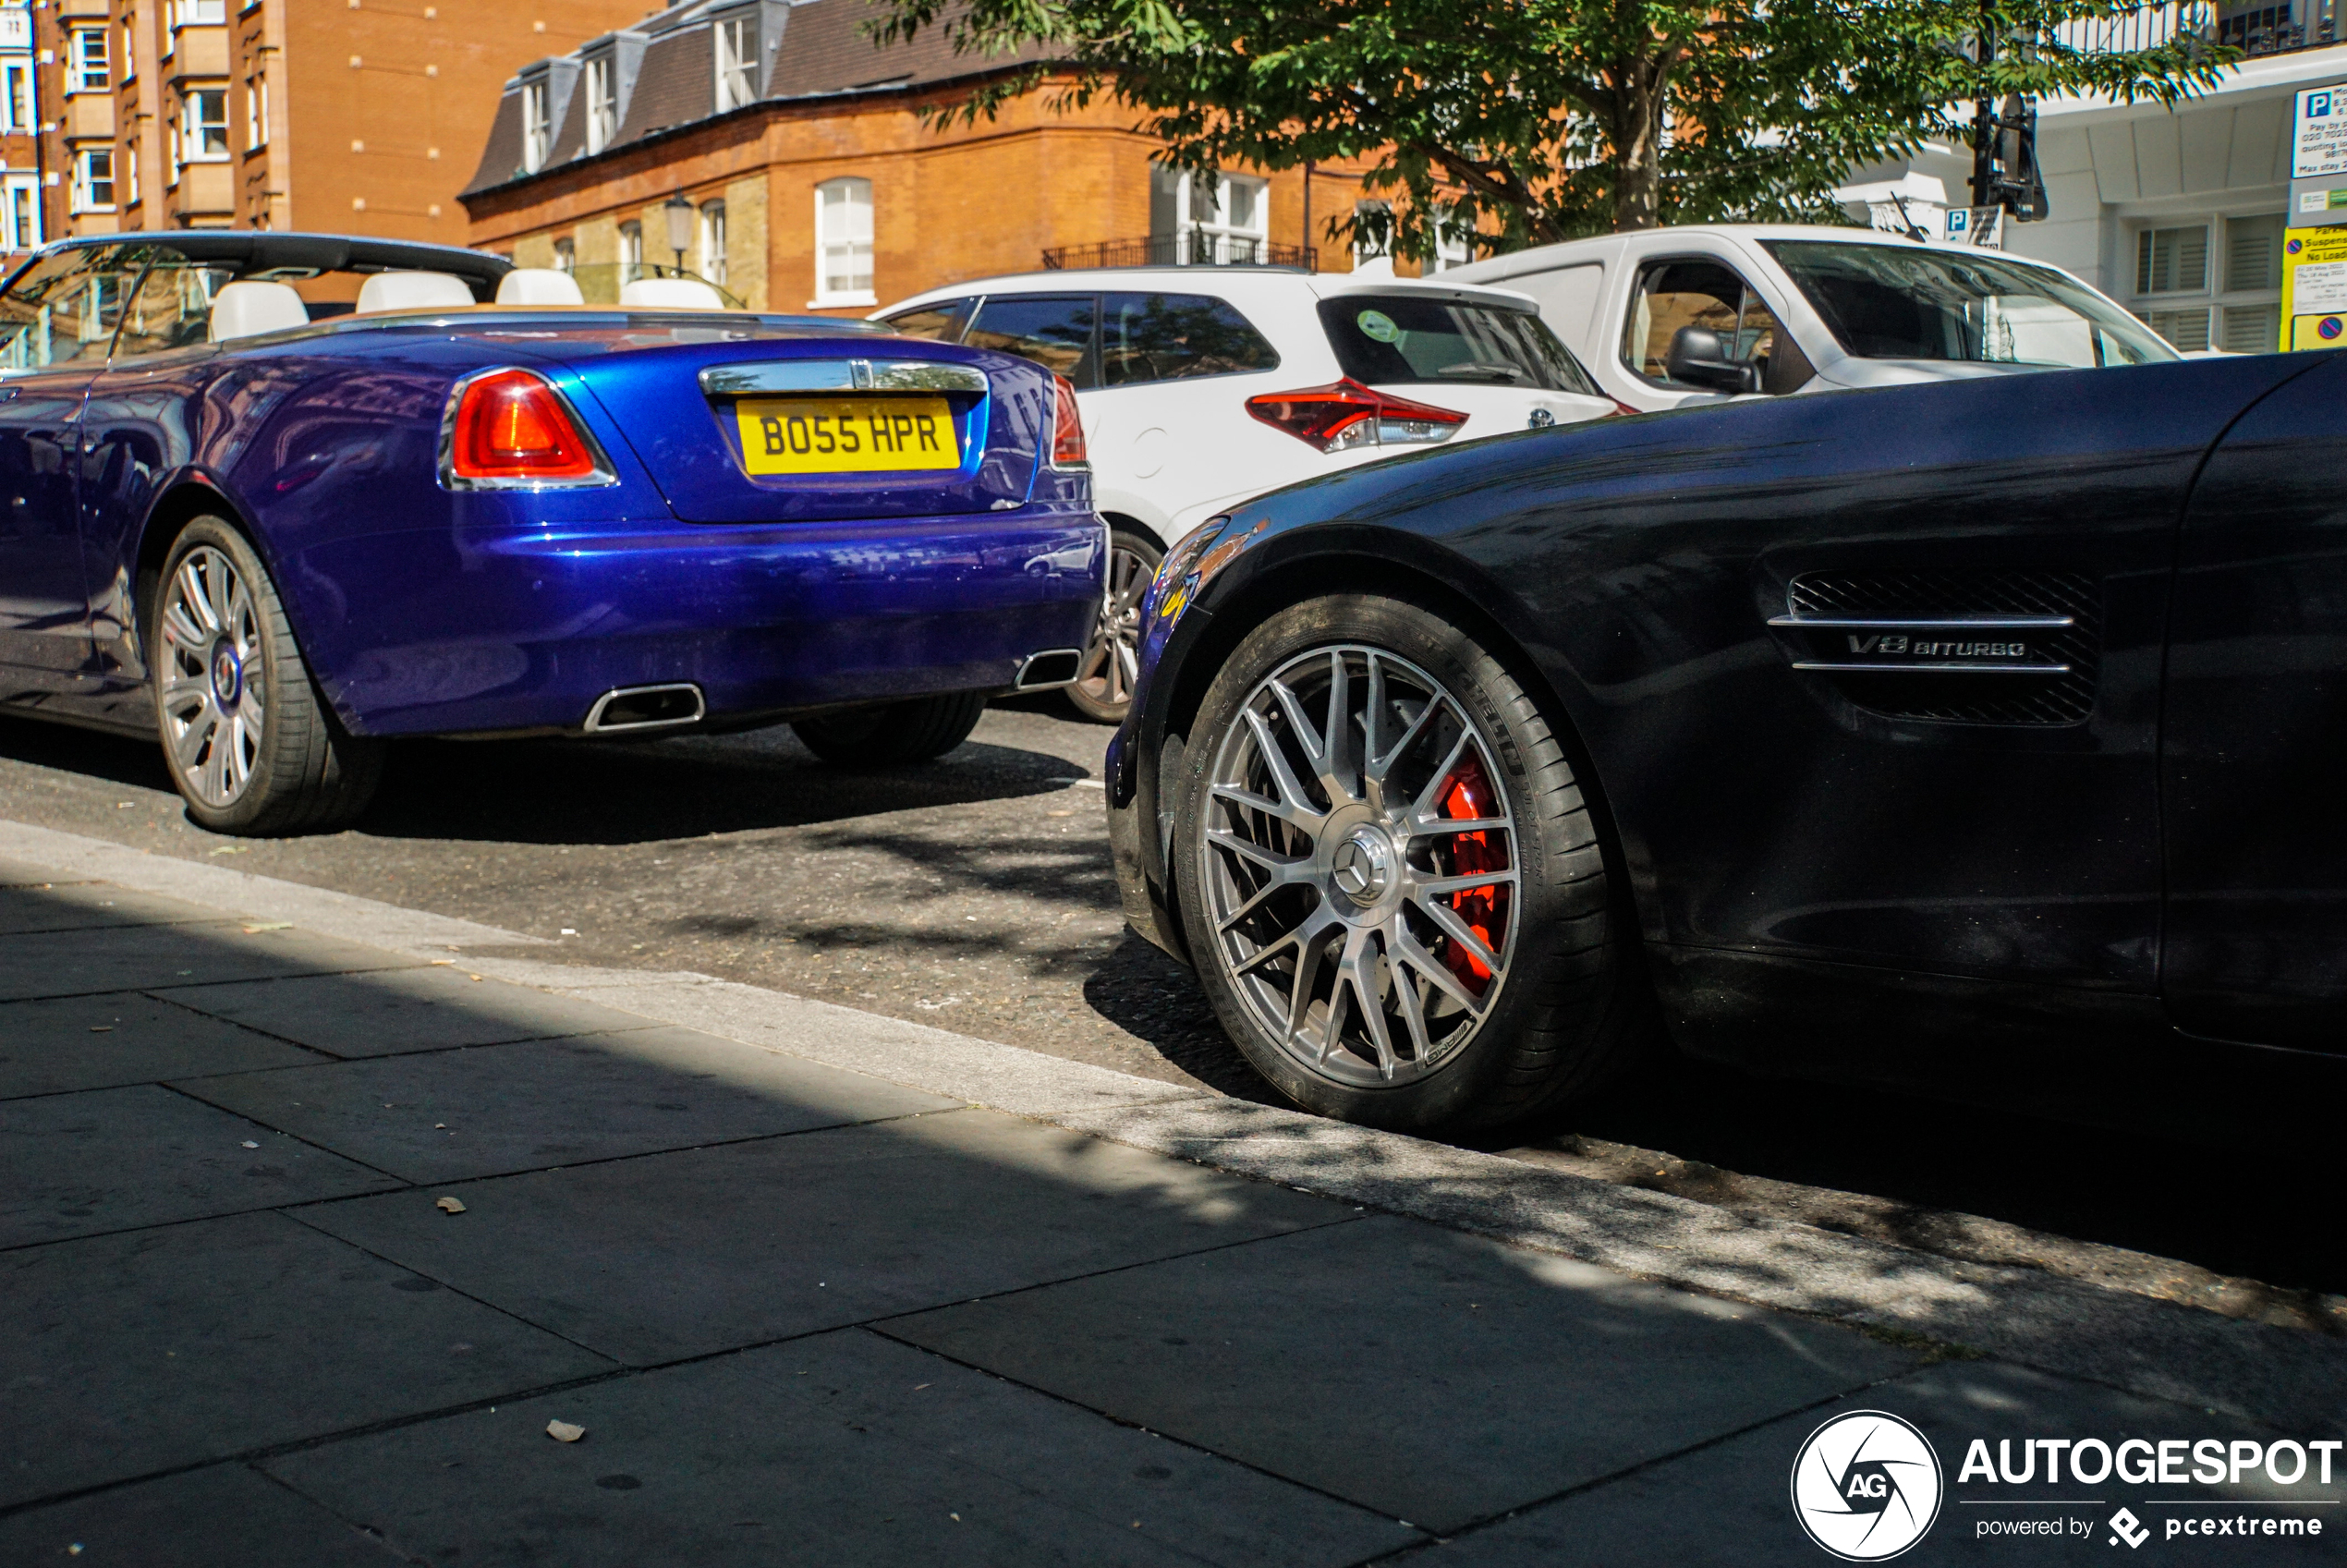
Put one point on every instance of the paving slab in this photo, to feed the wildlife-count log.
(426, 1008)
(149, 957)
(88, 905)
(1433, 1377)
(675, 1254)
(1729, 1506)
(131, 1355)
(84, 1042)
(493, 1110)
(221, 1516)
(118, 1158)
(840, 1449)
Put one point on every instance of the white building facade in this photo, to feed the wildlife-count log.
(2176, 213)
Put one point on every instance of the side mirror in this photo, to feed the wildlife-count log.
(1698, 358)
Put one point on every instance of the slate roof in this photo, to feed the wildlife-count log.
(818, 47)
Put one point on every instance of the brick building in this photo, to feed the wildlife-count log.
(345, 116)
(796, 157)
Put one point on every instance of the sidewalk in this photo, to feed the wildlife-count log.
(827, 1287)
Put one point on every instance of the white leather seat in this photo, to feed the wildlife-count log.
(539, 286)
(413, 291)
(689, 294)
(248, 309)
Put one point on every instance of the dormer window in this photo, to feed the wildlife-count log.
(736, 62)
(602, 102)
(537, 124)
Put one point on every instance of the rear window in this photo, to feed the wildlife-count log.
(942, 323)
(1151, 337)
(1053, 330)
(1385, 339)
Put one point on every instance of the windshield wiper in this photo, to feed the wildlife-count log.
(1483, 370)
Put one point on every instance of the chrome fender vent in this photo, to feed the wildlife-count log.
(1964, 647)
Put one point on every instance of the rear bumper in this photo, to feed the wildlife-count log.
(452, 633)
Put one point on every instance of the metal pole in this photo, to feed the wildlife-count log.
(1311, 256)
(1983, 134)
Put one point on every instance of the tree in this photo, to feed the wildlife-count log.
(1518, 122)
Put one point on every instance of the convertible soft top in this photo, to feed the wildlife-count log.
(253, 254)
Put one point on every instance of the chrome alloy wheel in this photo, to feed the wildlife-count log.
(1113, 656)
(210, 670)
(1360, 866)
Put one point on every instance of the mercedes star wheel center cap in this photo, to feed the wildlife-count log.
(1362, 866)
(228, 676)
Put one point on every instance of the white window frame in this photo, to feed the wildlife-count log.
(537, 124)
(16, 96)
(631, 251)
(199, 13)
(20, 212)
(713, 242)
(129, 52)
(89, 62)
(194, 128)
(1212, 220)
(735, 48)
(1362, 254)
(2212, 297)
(829, 242)
(1451, 246)
(602, 102)
(256, 114)
(85, 183)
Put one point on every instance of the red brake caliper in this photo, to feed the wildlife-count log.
(1484, 909)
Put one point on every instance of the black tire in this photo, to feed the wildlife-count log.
(292, 769)
(1103, 686)
(1572, 1006)
(890, 734)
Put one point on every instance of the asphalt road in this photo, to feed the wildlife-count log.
(975, 893)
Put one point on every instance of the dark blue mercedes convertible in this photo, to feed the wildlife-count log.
(278, 498)
(1820, 732)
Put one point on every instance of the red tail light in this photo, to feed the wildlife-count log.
(511, 427)
(1067, 427)
(1344, 414)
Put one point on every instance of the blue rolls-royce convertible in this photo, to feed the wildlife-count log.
(1881, 733)
(280, 498)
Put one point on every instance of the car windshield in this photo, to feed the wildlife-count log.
(1389, 339)
(1884, 303)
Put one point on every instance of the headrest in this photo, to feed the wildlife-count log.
(692, 294)
(539, 286)
(248, 309)
(413, 291)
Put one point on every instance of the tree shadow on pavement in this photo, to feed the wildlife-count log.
(1146, 993)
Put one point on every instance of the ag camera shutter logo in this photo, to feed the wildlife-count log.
(1866, 1486)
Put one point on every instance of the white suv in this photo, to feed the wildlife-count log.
(1202, 387)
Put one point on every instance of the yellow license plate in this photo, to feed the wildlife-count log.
(846, 435)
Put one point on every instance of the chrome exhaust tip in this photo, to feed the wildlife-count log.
(630, 709)
(1052, 667)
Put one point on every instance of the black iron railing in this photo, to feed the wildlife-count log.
(2279, 29)
(1198, 248)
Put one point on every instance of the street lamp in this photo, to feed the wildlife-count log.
(680, 209)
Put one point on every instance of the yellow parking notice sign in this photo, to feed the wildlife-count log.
(2313, 287)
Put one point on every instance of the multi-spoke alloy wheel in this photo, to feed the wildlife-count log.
(247, 739)
(1103, 687)
(212, 672)
(1390, 877)
(1360, 864)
